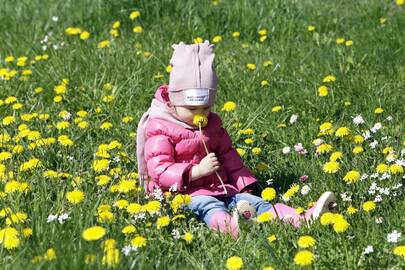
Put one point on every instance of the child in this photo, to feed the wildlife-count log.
(171, 154)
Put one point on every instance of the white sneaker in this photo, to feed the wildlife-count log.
(325, 203)
(244, 210)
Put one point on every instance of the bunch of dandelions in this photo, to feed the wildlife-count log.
(201, 120)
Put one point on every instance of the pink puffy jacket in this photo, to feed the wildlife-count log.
(171, 150)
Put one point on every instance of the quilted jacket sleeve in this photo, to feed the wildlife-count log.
(238, 174)
(159, 156)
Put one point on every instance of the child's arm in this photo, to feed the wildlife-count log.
(238, 174)
(159, 156)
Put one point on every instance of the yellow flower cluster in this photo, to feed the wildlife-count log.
(339, 223)
(291, 192)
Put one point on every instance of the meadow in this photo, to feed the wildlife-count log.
(311, 92)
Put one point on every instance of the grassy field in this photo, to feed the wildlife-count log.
(76, 76)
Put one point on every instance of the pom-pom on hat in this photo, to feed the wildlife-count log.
(193, 80)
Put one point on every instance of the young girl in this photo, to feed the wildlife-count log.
(171, 154)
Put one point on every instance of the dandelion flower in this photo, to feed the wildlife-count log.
(111, 257)
(396, 169)
(103, 44)
(369, 206)
(271, 238)
(311, 28)
(324, 148)
(134, 14)
(322, 91)
(162, 222)
(93, 233)
(358, 139)
(236, 34)
(325, 127)
(304, 258)
(335, 156)
(128, 229)
(76, 196)
(251, 66)
(200, 119)
(342, 132)
(234, 263)
(349, 42)
(216, 39)
(138, 241)
(352, 177)
(329, 78)
(256, 151)
(331, 167)
(198, 40)
(340, 225)
(229, 106)
(352, 210)
(358, 149)
(264, 217)
(382, 168)
(240, 151)
(268, 194)
(276, 109)
(327, 218)
(188, 237)
(378, 110)
(137, 29)
(400, 251)
(306, 241)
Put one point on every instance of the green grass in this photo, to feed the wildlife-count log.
(370, 74)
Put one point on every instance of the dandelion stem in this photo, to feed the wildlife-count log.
(206, 150)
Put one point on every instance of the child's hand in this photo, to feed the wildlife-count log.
(208, 165)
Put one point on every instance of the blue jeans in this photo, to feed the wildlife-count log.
(205, 206)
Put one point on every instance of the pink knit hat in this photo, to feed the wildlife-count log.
(193, 80)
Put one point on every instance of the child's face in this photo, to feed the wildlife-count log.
(186, 113)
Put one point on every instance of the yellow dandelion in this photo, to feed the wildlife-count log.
(137, 29)
(382, 168)
(358, 149)
(400, 251)
(378, 110)
(335, 156)
(304, 258)
(134, 14)
(200, 119)
(138, 241)
(216, 39)
(368, 206)
(265, 217)
(352, 210)
(188, 237)
(229, 106)
(331, 167)
(306, 241)
(234, 263)
(251, 66)
(323, 91)
(342, 132)
(103, 44)
(271, 238)
(76, 196)
(236, 34)
(276, 109)
(352, 177)
(93, 233)
(268, 194)
(396, 169)
(340, 40)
